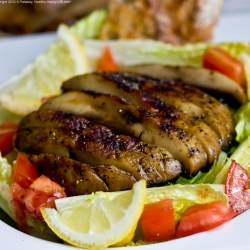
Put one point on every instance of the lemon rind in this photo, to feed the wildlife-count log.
(104, 239)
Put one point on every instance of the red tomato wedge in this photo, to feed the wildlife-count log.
(106, 62)
(31, 192)
(157, 221)
(48, 187)
(24, 173)
(41, 193)
(203, 217)
(236, 188)
(7, 133)
(219, 60)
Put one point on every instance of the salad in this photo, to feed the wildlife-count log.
(236, 159)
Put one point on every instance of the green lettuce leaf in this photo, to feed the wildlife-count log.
(206, 177)
(132, 52)
(236, 49)
(5, 170)
(5, 178)
(240, 155)
(90, 27)
(242, 127)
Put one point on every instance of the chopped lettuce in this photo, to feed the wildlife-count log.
(218, 172)
(242, 127)
(133, 52)
(236, 49)
(206, 177)
(241, 155)
(90, 27)
(5, 178)
(5, 170)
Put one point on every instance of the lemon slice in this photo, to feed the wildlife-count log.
(97, 220)
(43, 77)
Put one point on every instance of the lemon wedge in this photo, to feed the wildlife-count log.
(43, 77)
(97, 220)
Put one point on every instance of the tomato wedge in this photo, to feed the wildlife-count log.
(236, 188)
(157, 221)
(31, 192)
(7, 133)
(106, 62)
(203, 217)
(48, 187)
(41, 193)
(24, 173)
(219, 60)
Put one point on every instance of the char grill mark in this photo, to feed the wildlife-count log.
(79, 178)
(136, 86)
(132, 88)
(196, 104)
(111, 111)
(73, 136)
(216, 83)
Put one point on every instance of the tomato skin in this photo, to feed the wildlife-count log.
(157, 221)
(50, 188)
(24, 173)
(219, 60)
(7, 133)
(30, 192)
(106, 62)
(236, 188)
(33, 199)
(35, 196)
(203, 217)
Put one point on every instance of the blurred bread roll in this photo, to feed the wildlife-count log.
(170, 21)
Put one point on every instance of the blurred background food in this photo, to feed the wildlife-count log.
(171, 21)
(24, 17)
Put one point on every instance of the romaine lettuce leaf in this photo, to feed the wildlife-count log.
(5, 178)
(206, 177)
(90, 26)
(132, 52)
(241, 155)
(5, 170)
(236, 49)
(242, 127)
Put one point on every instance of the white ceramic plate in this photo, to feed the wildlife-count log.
(17, 52)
